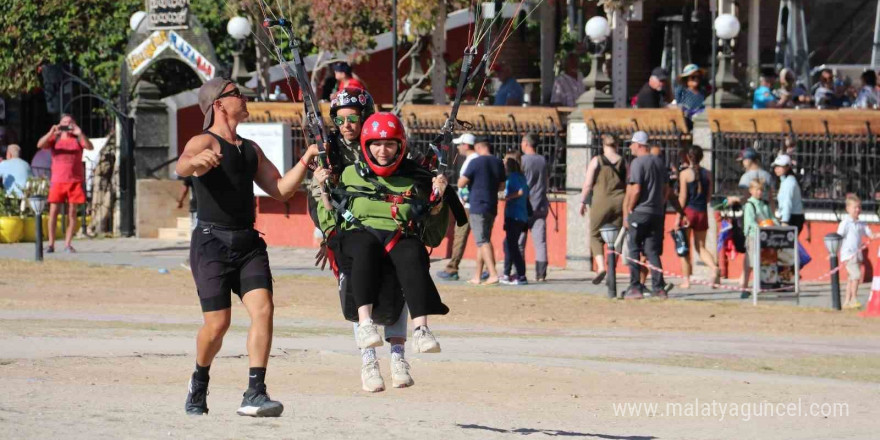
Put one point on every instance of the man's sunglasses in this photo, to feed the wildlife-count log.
(235, 93)
(339, 120)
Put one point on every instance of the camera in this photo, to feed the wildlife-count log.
(64, 128)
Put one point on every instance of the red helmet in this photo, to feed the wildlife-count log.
(383, 126)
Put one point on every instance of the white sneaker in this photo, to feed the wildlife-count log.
(400, 377)
(368, 336)
(371, 377)
(424, 341)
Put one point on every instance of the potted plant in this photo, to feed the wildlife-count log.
(11, 224)
(35, 186)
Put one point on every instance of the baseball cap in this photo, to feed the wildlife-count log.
(208, 93)
(783, 160)
(660, 73)
(465, 138)
(748, 153)
(640, 137)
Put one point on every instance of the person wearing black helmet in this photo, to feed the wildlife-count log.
(379, 208)
(348, 110)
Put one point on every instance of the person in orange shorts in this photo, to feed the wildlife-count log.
(66, 141)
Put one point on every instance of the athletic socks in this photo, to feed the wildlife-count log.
(201, 373)
(368, 355)
(256, 376)
(397, 352)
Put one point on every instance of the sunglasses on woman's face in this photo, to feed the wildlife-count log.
(339, 120)
(234, 93)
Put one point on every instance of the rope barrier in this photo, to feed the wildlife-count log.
(740, 289)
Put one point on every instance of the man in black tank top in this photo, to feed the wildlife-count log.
(226, 253)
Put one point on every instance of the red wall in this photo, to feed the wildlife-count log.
(189, 124)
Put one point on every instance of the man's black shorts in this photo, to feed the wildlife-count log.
(225, 260)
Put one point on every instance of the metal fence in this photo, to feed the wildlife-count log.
(671, 140)
(506, 137)
(828, 166)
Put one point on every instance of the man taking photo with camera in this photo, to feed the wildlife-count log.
(66, 141)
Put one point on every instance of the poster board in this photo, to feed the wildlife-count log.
(275, 140)
(775, 263)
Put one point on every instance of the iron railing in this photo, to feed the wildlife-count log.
(506, 137)
(670, 140)
(828, 166)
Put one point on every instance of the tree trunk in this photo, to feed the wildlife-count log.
(548, 49)
(438, 50)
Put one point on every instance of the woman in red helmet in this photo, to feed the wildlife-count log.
(382, 206)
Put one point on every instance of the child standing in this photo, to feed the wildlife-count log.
(853, 231)
(516, 218)
(755, 212)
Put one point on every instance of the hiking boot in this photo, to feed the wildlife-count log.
(368, 336)
(371, 377)
(256, 403)
(424, 341)
(444, 275)
(197, 397)
(400, 377)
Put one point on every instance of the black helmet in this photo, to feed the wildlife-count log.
(352, 97)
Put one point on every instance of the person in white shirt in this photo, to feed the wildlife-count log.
(853, 231)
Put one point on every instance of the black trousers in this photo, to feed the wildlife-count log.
(797, 220)
(411, 264)
(512, 255)
(645, 236)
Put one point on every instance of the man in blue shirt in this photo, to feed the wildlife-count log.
(14, 172)
(484, 178)
(510, 92)
(764, 97)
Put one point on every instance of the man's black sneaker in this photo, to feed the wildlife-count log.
(256, 403)
(197, 398)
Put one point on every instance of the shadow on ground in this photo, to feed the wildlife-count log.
(554, 433)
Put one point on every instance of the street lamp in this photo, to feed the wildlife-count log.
(726, 28)
(594, 95)
(832, 243)
(609, 236)
(38, 203)
(136, 20)
(239, 28)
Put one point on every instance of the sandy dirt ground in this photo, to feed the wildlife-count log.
(92, 351)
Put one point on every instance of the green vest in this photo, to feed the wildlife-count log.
(377, 214)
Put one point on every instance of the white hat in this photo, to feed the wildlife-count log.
(640, 137)
(466, 138)
(783, 160)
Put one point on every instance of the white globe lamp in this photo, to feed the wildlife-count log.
(727, 26)
(597, 29)
(136, 20)
(238, 28)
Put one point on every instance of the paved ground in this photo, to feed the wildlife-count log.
(162, 254)
(101, 346)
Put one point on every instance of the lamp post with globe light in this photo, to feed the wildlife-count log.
(726, 28)
(239, 28)
(594, 95)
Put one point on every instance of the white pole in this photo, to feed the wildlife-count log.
(875, 52)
